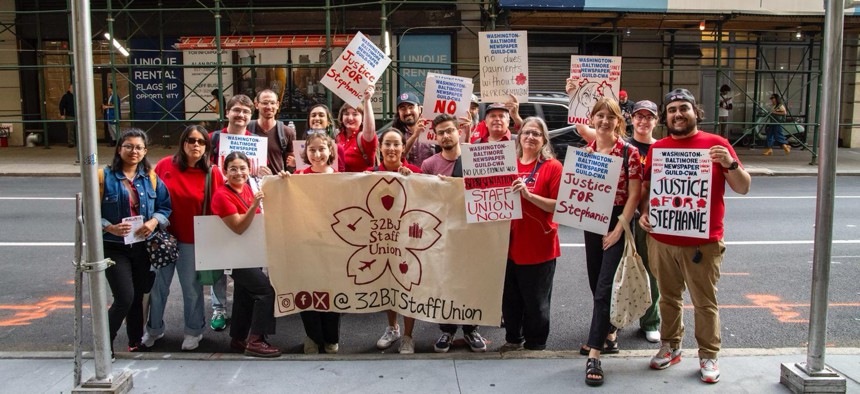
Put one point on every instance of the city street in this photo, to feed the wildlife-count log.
(764, 289)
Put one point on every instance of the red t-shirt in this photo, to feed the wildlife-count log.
(353, 159)
(534, 238)
(634, 168)
(186, 195)
(227, 202)
(701, 140)
(481, 134)
(382, 167)
(308, 170)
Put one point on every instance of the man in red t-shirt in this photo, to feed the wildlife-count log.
(694, 263)
(497, 119)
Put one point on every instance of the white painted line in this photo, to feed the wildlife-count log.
(797, 242)
(36, 198)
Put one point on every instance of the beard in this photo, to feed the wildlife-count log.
(410, 121)
(689, 128)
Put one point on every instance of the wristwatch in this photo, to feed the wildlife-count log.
(734, 165)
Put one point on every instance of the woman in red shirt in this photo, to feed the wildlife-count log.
(357, 137)
(319, 153)
(603, 252)
(253, 295)
(534, 246)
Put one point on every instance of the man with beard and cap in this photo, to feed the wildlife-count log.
(680, 262)
(409, 123)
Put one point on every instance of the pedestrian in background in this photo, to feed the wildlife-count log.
(67, 113)
(725, 109)
(110, 106)
(774, 130)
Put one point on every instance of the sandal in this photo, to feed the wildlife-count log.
(610, 347)
(584, 350)
(592, 367)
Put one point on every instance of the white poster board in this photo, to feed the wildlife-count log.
(587, 191)
(251, 145)
(504, 65)
(203, 80)
(357, 67)
(680, 201)
(488, 172)
(447, 94)
(594, 77)
(218, 247)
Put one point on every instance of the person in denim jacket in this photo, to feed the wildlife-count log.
(128, 192)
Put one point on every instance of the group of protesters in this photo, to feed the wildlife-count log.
(192, 182)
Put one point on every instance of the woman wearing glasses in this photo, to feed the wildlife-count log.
(534, 246)
(185, 175)
(130, 190)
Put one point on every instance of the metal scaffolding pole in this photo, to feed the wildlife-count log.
(95, 263)
(813, 374)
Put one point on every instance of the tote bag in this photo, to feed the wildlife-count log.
(631, 290)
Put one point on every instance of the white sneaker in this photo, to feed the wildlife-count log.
(392, 334)
(149, 340)
(191, 342)
(652, 336)
(407, 345)
(331, 348)
(709, 370)
(310, 346)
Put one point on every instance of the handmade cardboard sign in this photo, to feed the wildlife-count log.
(488, 172)
(218, 247)
(252, 146)
(504, 65)
(587, 191)
(391, 243)
(595, 77)
(446, 94)
(358, 66)
(680, 201)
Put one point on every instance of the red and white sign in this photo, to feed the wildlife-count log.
(488, 172)
(595, 77)
(504, 65)
(251, 145)
(446, 94)
(587, 190)
(680, 201)
(358, 66)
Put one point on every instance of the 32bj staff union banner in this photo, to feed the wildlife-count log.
(391, 242)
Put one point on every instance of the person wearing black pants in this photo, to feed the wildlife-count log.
(253, 306)
(321, 328)
(602, 265)
(129, 279)
(526, 303)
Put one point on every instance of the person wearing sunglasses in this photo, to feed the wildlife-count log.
(184, 173)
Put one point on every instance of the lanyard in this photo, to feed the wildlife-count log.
(531, 178)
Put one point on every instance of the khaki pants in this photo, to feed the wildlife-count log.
(675, 270)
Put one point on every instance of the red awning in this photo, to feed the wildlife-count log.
(268, 41)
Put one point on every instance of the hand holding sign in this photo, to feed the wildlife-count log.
(358, 67)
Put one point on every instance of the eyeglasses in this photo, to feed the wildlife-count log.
(195, 141)
(240, 111)
(532, 133)
(236, 170)
(267, 102)
(644, 117)
(129, 147)
(446, 131)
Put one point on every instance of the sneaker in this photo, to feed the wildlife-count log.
(148, 340)
(191, 342)
(666, 357)
(331, 348)
(261, 348)
(392, 334)
(407, 345)
(652, 336)
(311, 347)
(444, 343)
(219, 321)
(476, 341)
(511, 347)
(709, 370)
(137, 347)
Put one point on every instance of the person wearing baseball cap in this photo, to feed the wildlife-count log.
(626, 110)
(680, 262)
(496, 124)
(410, 123)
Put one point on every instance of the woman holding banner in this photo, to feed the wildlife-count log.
(603, 252)
(185, 175)
(392, 161)
(320, 120)
(534, 246)
(357, 137)
(253, 295)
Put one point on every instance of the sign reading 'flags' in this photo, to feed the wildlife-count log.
(504, 61)
(680, 201)
(357, 67)
(587, 190)
(391, 243)
(488, 171)
(594, 77)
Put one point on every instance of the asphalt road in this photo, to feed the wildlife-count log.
(764, 291)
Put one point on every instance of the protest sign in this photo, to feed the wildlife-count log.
(587, 190)
(447, 94)
(357, 67)
(504, 61)
(391, 243)
(252, 146)
(488, 172)
(680, 192)
(218, 247)
(594, 77)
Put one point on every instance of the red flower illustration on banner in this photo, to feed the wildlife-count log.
(387, 235)
(655, 202)
(702, 203)
(521, 79)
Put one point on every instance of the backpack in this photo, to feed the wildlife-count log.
(282, 138)
(152, 178)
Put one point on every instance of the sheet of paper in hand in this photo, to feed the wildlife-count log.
(136, 223)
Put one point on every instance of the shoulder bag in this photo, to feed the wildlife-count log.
(631, 290)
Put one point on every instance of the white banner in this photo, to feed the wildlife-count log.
(681, 192)
(359, 66)
(204, 79)
(595, 77)
(504, 61)
(251, 145)
(447, 94)
(488, 172)
(218, 247)
(391, 242)
(587, 191)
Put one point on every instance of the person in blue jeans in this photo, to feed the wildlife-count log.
(774, 131)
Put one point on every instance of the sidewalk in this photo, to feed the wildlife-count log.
(758, 371)
(60, 161)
